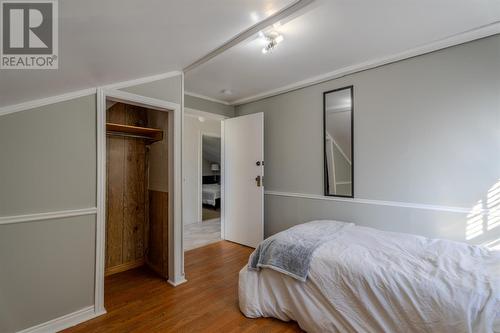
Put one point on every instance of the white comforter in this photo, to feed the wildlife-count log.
(210, 193)
(373, 281)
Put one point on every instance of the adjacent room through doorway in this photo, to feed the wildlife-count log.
(211, 191)
(202, 180)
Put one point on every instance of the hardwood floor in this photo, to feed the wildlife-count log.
(139, 301)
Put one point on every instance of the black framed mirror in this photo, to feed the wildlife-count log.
(338, 143)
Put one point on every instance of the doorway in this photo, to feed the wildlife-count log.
(202, 172)
(210, 178)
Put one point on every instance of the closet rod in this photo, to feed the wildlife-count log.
(128, 135)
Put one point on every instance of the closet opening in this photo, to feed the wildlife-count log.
(137, 192)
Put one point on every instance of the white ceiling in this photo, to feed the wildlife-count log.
(329, 35)
(103, 42)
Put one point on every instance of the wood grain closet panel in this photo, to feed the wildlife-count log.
(134, 203)
(115, 191)
(135, 183)
(158, 229)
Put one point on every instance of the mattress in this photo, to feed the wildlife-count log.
(210, 193)
(368, 280)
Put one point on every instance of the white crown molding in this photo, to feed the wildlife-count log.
(192, 94)
(452, 209)
(47, 216)
(142, 80)
(46, 101)
(82, 93)
(65, 321)
(188, 112)
(464, 37)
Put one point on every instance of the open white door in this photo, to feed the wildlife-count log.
(243, 188)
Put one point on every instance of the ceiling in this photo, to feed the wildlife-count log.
(103, 42)
(330, 35)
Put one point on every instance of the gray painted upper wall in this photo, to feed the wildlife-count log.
(208, 106)
(48, 158)
(426, 129)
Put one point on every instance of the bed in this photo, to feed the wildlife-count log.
(366, 280)
(211, 194)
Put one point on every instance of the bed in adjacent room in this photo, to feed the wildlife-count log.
(338, 277)
(211, 194)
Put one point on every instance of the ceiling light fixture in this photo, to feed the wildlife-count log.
(273, 40)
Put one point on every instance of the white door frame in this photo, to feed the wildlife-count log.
(175, 246)
(200, 171)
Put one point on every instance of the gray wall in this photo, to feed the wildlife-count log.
(48, 158)
(47, 270)
(426, 131)
(208, 106)
(48, 164)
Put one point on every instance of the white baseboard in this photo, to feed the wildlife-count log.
(177, 281)
(66, 321)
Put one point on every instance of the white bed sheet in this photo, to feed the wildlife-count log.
(210, 193)
(374, 281)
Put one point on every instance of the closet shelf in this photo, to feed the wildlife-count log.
(150, 134)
